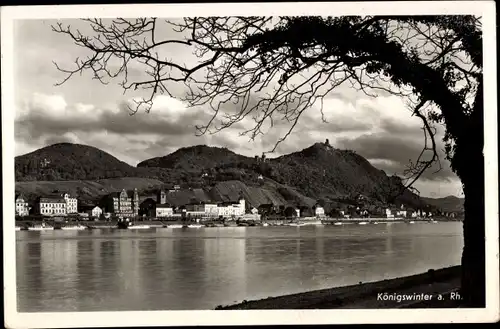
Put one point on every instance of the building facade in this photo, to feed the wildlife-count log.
(96, 212)
(122, 205)
(22, 207)
(71, 204)
(319, 211)
(164, 210)
(232, 209)
(51, 206)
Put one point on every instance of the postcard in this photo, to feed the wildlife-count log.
(249, 164)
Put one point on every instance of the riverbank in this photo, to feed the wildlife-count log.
(415, 291)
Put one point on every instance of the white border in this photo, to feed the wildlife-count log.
(182, 318)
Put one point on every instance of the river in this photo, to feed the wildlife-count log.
(200, 268)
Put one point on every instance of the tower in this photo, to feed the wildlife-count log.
(242, 204)
(135, 203)
(162, 197)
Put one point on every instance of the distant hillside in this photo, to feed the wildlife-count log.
(447, 204)
(322, 171)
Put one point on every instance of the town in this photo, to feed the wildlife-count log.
(172, 205)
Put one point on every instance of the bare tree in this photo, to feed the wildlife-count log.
(275, 68)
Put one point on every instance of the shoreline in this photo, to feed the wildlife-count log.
(270, 223)
(378, 294)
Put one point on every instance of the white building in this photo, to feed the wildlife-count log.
(234, 209)
(52, 206)
(22, 208)
(71, 204)
(388, 213)
(319, 211)
(95, 212)
(202, 209)
(164, 210)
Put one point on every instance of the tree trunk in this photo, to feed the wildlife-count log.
(470, 169)
(473, 256)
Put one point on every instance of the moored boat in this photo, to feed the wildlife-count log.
(42, 227)
(18, 228)
(73, 228)
(296, 224)
(338, 223)
(362, 223)
(127, 224)
(138, 227)
(265, 224)
(173, 226)
(194, 226)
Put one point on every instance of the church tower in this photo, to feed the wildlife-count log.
(135, 203)
(161, 197)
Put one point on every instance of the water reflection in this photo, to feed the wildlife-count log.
(107, 270)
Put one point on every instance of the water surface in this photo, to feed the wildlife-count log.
(188, 269)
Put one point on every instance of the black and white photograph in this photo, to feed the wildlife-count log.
(225, 163)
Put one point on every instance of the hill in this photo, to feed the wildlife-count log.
(66, 161)
(447, 204)
(194, 158)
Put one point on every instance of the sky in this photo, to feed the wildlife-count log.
(85, 111)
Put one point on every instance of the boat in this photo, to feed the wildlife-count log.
(138, 227)
(194, 226)
(265, 224)
(18, 228)
(173, 226)
(42, 227)
(73, 228)
(127, 224)
(375, 222)
(362, 223)
(297, 224)
(411, 222)
(338, 223)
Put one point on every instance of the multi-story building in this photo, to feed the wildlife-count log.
(22, 207)
(51, 206)
(232, 209)
(164, 210)
(95, 212)
(71, 204)
(202, 209)
(122, 205)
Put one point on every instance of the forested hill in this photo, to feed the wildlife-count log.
(66, 161)
(198, 157)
